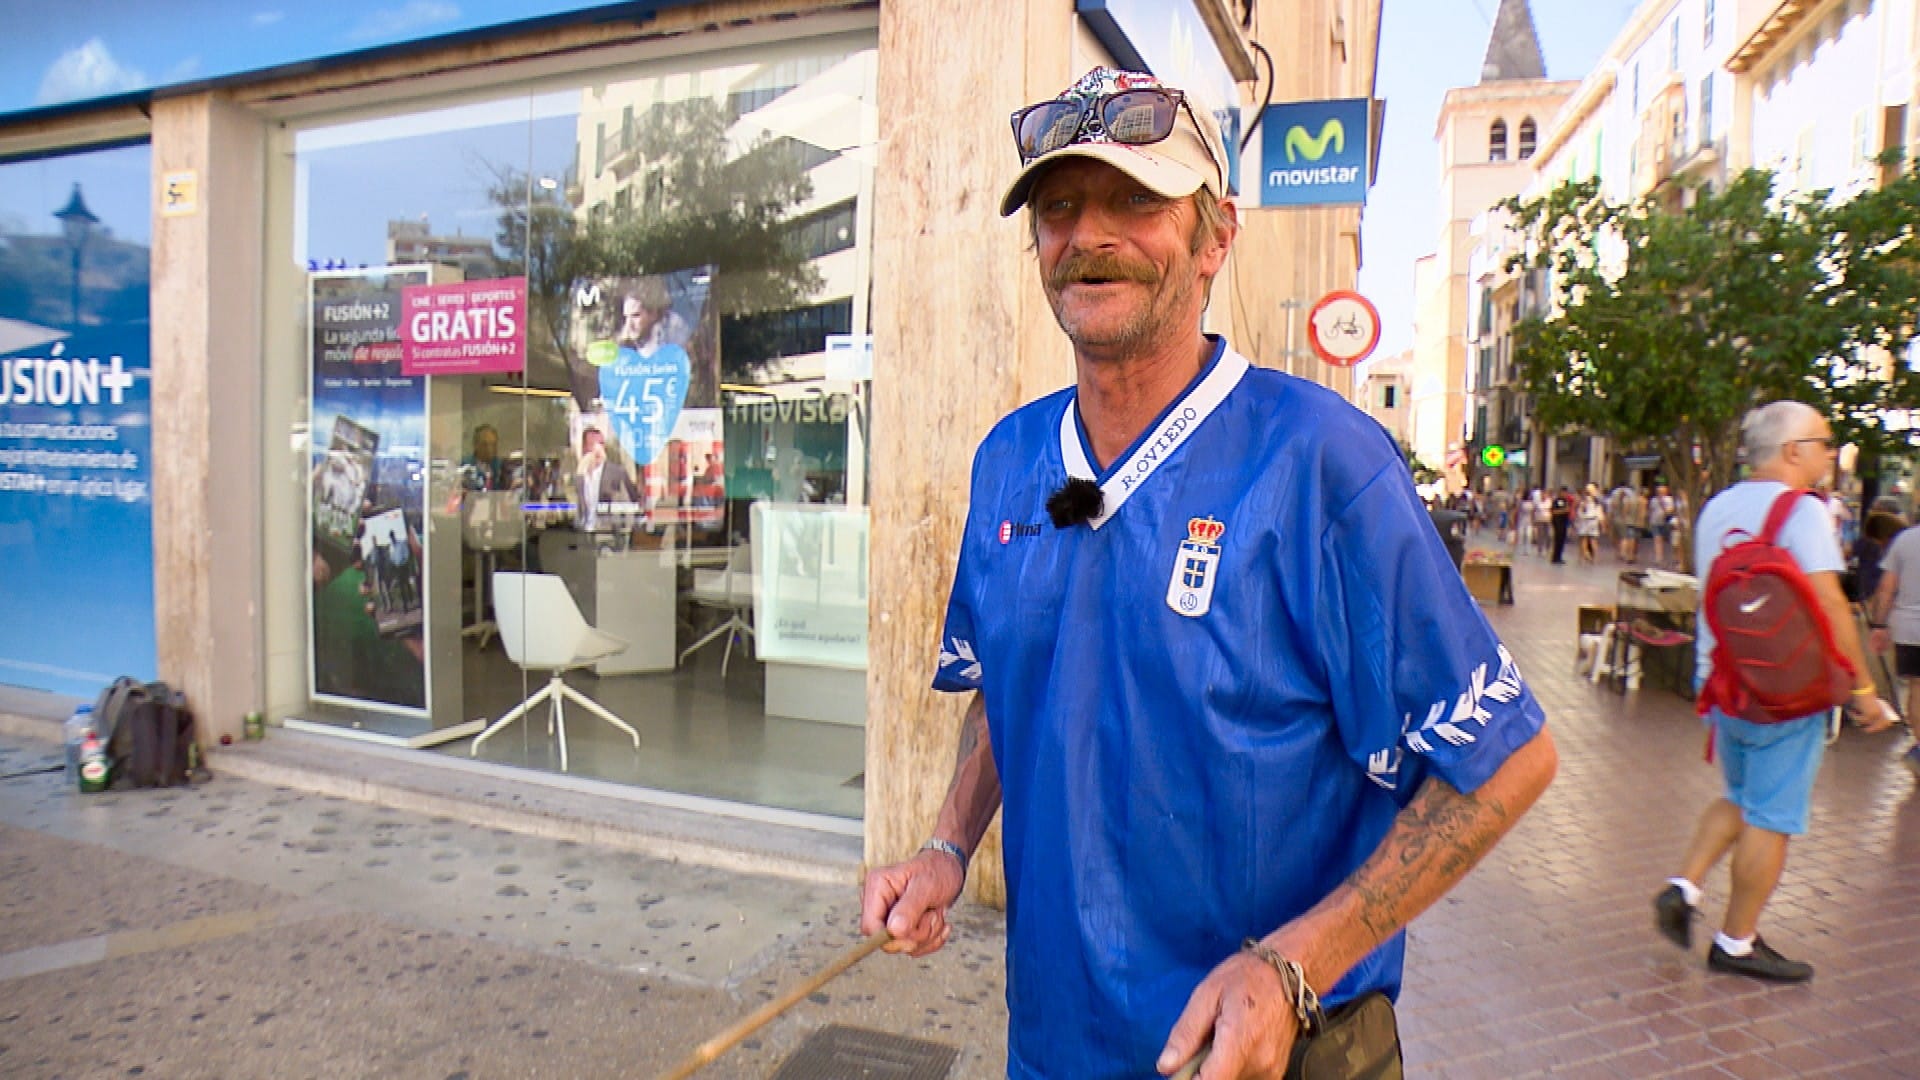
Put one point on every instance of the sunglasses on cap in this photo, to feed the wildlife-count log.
(1135, 117)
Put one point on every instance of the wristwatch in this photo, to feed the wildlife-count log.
(947, 847)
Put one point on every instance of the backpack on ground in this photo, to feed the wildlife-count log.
(1774, 655)
(148, 731)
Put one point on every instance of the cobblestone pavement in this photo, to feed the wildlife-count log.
(241, 930)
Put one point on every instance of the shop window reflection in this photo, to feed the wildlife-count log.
(691, 300)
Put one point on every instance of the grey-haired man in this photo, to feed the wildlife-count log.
(1239, 711)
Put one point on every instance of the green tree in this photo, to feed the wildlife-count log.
(701, 197)
(1423, 473)
(1666, 327)
(535, 235)
(708, 201)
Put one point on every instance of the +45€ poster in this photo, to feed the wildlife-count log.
(651, 366)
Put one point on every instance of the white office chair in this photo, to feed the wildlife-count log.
(543, 630)
(490, 522)
(731, 589)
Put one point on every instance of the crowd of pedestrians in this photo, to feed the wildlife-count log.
(1639, 522)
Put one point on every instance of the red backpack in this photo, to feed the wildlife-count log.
(1774, 657)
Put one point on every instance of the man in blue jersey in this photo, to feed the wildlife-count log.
(1239, 712)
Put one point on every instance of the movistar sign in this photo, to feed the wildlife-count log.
(1315, 152)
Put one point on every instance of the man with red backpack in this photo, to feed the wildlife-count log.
(1789, 652)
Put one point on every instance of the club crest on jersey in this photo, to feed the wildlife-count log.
(1190, 593)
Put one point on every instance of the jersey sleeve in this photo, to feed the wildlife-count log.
(1420, 684)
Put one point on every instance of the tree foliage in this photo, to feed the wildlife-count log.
(1423, 473)
(702, 198)
(36, 280)
(1666, 327)
(708, 200)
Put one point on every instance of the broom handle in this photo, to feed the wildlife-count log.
(704, 1054)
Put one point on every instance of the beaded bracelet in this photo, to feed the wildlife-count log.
(1306, 1003)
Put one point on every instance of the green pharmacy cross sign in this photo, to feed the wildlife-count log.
(1493, 456)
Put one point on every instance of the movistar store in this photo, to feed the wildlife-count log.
(592, 394)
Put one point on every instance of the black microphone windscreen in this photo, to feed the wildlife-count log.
(1077, 502)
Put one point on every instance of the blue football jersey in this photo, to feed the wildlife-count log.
(1207, 704)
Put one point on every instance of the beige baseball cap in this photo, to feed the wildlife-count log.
(1192, 156)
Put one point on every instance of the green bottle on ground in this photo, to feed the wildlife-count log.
(93, 765)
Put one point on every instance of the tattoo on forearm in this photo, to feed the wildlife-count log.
(969, 741)
(1433, 843)
(974, 794)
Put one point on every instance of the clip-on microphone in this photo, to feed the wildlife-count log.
(1077, 502)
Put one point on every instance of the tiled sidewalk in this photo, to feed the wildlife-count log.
(1545, 961)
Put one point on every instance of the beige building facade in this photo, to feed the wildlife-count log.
(851, 386)
(1687, 93)
(1487, 136)
(1386, 394)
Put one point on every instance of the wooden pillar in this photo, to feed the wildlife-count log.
(962, 335)
(206, 408)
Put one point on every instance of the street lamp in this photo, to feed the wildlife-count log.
(77, 222)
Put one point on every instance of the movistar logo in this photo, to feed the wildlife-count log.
(1306, 146)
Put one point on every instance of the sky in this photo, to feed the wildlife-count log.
(1427, 47)
(52, 51)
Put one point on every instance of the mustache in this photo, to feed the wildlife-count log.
(1100, 267)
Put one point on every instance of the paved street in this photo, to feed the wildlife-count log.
(1545, 959)
(244, 930)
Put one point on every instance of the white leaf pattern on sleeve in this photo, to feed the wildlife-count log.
(960, 662)
(1470, 709)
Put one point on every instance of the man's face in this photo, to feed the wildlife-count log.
(1116, 260)
(591, 441)
(1810, 453)
(634, 320)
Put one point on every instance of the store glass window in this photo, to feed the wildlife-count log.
(570, 398)
(76, 512)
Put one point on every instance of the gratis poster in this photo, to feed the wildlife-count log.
(366, 498)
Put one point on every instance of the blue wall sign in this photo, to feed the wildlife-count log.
(76, 512)
(1315, 153)
(76, 505)
(1169, 40)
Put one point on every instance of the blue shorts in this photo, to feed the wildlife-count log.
(1769, 768)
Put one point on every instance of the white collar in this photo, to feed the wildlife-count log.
(1158, 443)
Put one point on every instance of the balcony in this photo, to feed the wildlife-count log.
(1702, 161)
